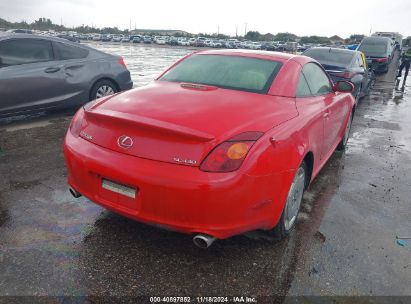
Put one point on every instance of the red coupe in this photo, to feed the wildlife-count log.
(221, 143)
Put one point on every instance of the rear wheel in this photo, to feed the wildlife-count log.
(358, 94)
(343, 143)
(292, 204)
(103, 88)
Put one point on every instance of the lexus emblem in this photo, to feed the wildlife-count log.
(125, 142)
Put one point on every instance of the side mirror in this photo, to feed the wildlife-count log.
(343, 86)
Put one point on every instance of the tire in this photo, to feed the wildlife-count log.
(358, 95)
(102, 88)
(343, 143)
(293, 203)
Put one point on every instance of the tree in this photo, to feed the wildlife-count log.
(285, 37)
(252, 35)
(356, 38)
(315, 39)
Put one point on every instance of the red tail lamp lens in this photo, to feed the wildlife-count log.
(382, 59)
(121, 62)
(230, 155)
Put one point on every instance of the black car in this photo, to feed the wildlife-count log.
(342, 64)
(40, 73)
(69, 38)
(379, 52)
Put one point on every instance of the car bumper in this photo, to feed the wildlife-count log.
(176, 197)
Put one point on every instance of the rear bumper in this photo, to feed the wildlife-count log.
(177, 197)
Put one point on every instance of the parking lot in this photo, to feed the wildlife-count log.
(344, 243)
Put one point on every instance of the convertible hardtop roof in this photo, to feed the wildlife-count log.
(275, 56)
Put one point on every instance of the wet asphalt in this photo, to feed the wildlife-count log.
(344, 244)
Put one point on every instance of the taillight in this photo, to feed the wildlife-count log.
(230, 155)
(121, 62)
(385, 59)
(344, 75)
(77, 122)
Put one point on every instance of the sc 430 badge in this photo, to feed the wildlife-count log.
(190, 162)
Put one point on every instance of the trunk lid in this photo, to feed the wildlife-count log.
(177, 123)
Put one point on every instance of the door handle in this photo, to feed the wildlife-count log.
(326, 114)
(52, 70)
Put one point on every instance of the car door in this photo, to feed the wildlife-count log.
(76, 74)
(27, 74)
(360, 75)
(334, 109)
(310, 109)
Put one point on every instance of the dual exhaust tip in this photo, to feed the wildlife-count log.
(202, 241)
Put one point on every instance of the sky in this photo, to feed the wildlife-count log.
(303, 18)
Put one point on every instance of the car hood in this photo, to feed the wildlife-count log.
(169, 120)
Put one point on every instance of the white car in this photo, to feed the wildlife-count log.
(125, 39)
(97, 37)
(161, 41)
(117, 38)
(255, 46)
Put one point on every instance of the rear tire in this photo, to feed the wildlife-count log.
(343, 143)
(103, 88)
(293, 203)
(358, 95)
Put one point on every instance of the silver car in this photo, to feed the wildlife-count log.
(42, 73)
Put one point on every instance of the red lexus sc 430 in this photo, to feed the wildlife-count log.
(221, 143)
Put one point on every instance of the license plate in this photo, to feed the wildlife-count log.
(118, 188)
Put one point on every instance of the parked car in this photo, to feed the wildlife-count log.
(40, 72)
(117, 38)
(137, 39)
(183, 42)
(155, 150)
(125, 38)
(378, 51)
(105, 38)
(161, 41)
(20, 31)
(342, 64)
(97, 37)
(69, 38)
(147, 40)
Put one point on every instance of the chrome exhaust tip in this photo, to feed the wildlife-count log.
(203, 241)
(74, 193)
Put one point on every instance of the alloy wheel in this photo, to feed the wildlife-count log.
(294, 199)
(104, 90)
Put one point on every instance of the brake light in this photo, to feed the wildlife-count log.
(344, 75)
(385, 59)
(229, 155)
(121, 62)
(77, 122)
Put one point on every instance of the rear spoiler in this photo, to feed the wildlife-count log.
(150, 123)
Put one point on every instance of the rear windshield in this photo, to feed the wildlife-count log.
(334, 58)
(374, 48)
(230, 72)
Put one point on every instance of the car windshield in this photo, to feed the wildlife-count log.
(376, 49)
(333, 58)
(230, 72)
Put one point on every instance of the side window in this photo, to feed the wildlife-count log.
(22, 51)
(67, 52)
(302, 89)
(317, 80)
